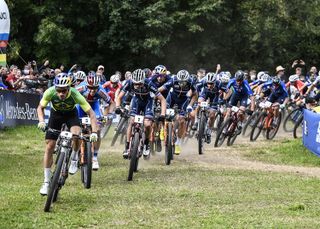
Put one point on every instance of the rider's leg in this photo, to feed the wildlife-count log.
(212, 117)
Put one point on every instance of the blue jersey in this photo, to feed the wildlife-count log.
(211, 94)
(180, 89)
(100, 93)
(160, 84)
(240, 90)
(278, 92)
(142, 93)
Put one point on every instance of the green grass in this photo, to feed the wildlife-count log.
(291, 152)
(182, 195)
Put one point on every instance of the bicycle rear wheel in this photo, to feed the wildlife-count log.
(54, 185)
(222, 133)
(134, 155)
(258, 126)
(291, 119)
(169, 145)
(86, 168)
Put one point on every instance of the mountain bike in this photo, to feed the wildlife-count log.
(228, 129)
(137, 140)
(202, 126)
(169, 135)
(266, 121)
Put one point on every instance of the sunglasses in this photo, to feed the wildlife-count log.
(79, 80)
(138, 84)
(210, 83)
(63, 91)
(160, 76)
(92, 88)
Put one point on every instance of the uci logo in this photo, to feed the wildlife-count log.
(3, 15)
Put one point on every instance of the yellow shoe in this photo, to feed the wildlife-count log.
(177, 149)
(161, 134)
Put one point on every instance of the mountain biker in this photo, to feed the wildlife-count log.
(239, 91)
(142, 101)
(63, 100)
(210, 92)
(93, 92)
(80, 77)
(113, 88)
(182, 95)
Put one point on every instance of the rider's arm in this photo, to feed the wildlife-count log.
(166, 86)
(40, 111)
(93, 120)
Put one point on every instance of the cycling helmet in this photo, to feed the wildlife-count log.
(183, 75)
(260, 74)
(168, 72)
(224, 77)
(293, 78)
(160, 70)
(114, 79)
(80, 75)
(138, 76)
(264, 77)
(92, 79)
(211, 77)
(228, 74)
(62, 80)
(239, 76)
(148, 72)
(194, 77)
(276, 80)
(73, 78)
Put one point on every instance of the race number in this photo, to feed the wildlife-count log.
(267, 104)
(235, 109)
(66, 134)
(138, 119)
(204, 104)
(170, 112)
(85, 121)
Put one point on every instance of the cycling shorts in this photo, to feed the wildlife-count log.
(139, 106)
(57, 118)
(95, 107)
(181, 102)
(234, 99)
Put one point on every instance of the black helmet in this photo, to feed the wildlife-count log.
(239, 76)
(276, 80)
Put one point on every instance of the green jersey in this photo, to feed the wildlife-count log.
(73, 98)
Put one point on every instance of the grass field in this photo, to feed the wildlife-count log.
(183, 195)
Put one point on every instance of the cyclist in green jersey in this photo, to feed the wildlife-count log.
(63, 100)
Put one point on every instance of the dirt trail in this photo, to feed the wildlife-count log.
(232, 157)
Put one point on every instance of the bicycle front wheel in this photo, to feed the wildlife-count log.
(54, 185)
(134, 157)
(86, 168)
(169, 145)
(201, 134)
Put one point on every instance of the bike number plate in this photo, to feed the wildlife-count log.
(85, 121)
(66, 134)
(235, 109)
(204, 104)
(267, 104)
(138, 119)
(170, 112)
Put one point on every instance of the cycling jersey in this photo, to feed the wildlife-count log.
(278, 93)
(142, 100)
(158, 84)
(211, 94)
(297, 84)
(74, 97)
(108, 86)
(94, 100)
(240, 90)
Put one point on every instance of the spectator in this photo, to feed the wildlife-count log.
(280, 72)
(100, 72)
(313, 73)
(11, 78)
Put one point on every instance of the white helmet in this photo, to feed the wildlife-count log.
(293, 78)
(183, 75)
(114, 78)
(138, 76)
(211, 77)
(260, 74)
(224, 77)
(80, 75)
(264, 77)
(62, 80)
